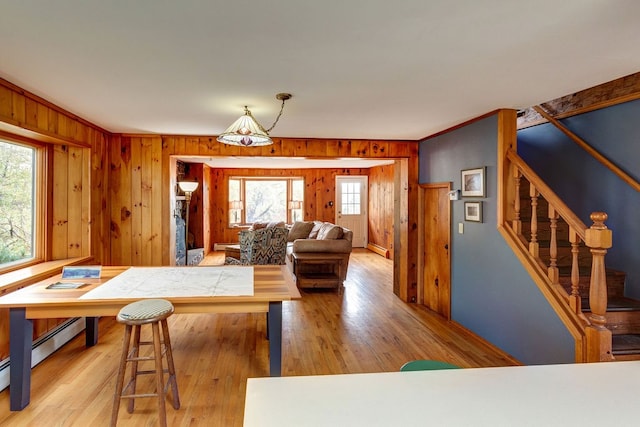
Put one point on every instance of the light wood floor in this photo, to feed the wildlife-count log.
(367, 329)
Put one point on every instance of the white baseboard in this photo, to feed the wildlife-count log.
(46, 345)
(221, 246)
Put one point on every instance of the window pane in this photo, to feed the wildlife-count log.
(266, 201)
(235, 204)
(16, 202)
(297, 189)
(350, 201)
(234, 189)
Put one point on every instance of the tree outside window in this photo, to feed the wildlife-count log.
(17, 172)
(264, 199)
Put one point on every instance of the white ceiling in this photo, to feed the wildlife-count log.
(373, 69)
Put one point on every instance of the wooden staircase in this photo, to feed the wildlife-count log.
(622, 313)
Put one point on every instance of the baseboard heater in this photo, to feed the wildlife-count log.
(221, 246)
(46, 345)
(378, 249)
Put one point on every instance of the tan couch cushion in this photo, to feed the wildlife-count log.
(259, 225)
(313, 234)
(329, 231)
(299, 230)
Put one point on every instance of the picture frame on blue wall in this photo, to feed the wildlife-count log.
(473, 182)
(473, 211)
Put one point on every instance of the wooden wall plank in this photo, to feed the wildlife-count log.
(6, 108)
(146, 202)
(157, 197)
(381, 206)
(75, 230)
(168, 195)
(19, 110)
(135, 186)
(99, 218)
(59, 229)
(114, 196)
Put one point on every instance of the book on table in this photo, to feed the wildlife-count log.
(66, 285)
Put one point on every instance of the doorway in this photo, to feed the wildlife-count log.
(351, 212)
(435, 236)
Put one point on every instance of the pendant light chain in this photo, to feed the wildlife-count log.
(277, 118)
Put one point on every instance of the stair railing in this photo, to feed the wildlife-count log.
(593, 339)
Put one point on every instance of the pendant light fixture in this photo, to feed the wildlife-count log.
(247, 132)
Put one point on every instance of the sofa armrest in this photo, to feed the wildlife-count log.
(330, 246)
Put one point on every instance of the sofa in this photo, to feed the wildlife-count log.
(318, 253)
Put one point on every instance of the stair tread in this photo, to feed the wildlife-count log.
(616, 304)
(626, 344)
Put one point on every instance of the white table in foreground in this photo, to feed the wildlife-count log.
(596, 394)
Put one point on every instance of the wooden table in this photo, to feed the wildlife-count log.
(272, 285)
(589, 394)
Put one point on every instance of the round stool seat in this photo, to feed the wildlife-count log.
(145, 311)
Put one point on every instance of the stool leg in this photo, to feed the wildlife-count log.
(120, 379)
(157, 349)
(172, 370)
(134, 366)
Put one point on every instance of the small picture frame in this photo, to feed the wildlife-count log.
(82, 272)
(473, 182)
(473, 211)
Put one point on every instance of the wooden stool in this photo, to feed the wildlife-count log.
(134, 315)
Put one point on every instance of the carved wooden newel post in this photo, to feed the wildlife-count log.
(599, 239)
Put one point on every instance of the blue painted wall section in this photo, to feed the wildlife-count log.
(586, 185)
(491, 292)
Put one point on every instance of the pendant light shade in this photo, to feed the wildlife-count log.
(247, 132)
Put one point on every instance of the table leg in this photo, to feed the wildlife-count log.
(91, 331)
(274, 329)
(20, 345)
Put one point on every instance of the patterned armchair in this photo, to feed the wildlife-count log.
(262, 246)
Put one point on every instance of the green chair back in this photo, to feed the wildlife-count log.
(426, 365)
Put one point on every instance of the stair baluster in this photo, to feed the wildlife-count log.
(554, 274)
(517, 223)
(534, 248)
(574, 299)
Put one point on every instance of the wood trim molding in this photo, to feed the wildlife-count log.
(48, 104)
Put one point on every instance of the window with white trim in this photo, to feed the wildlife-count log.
(255, 199)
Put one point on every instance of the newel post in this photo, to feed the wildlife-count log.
(599, 239)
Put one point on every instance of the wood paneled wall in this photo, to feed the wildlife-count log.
(113, 196)
(381, 206)
(76, 213)
(124, 219)
(319, 191)
(76, 216)
(137, 198)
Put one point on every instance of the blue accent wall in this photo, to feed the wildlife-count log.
(491, 292)
(588, 186)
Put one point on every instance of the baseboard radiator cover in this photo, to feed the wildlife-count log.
(221, 246)
(45, 345)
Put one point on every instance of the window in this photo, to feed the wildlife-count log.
(18, 203)
(350, 203)
(265, 200)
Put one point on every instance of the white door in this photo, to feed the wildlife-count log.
(351, 212)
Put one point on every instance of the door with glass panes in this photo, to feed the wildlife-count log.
(351, 209)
